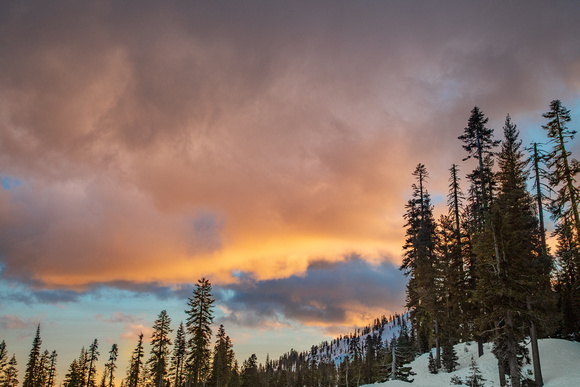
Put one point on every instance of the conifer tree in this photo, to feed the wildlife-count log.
(508, 279)
(73, 377)
(134, 372)
(11, 373)
(160, 343)
(199, 320)
(31, 375)
(564, 209)
(419, 258)
(83, 367)
(51, 378)
(92, 358)
(178, 357)
(111, 366)
(3, 360)
(221, 367)
(250, 376)
(479, 144)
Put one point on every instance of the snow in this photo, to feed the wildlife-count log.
(560, 360)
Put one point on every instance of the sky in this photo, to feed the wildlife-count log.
(266, 146)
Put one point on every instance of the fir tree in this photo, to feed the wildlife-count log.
(474, 379)
(92, 358)
(11, 373)
(250, 376)
(221, 367)
(160, 343)
(178, 357)
(199, 320)
(419, 258)
(3, 360)
(51, 379)
(73, 377)
(134, 372)
(449, 357)
(31, 375)
(111, 366)
(564, 208)
(508, 279)
(431, 365)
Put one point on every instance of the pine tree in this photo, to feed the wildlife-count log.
(83, 367)
(199, 320)
(92, 358)
(479, 144)
(474, 379)
(11, 373)
(73, 377)
(160, 343)
(111, 366)
(3, 361)
(564, 209)
(134, 372)
(449, 357)
(221, 367)
(51, 379)
(31, 375)
(507, 280)
(419, 258)
(250, 376)
(178, 357)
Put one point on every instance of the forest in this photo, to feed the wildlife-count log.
(482, 272)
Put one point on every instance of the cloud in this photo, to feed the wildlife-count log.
(156, 143)
(332, 294)
(12, 322)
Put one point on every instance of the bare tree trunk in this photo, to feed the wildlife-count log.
(535, 352)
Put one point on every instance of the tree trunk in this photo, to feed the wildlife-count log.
(535, 352)
(437, 345)
(501, 371)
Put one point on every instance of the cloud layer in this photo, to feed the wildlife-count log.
(145, 142)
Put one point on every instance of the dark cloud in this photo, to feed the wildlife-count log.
(336, 293)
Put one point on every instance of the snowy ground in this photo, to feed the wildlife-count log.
(560, 360)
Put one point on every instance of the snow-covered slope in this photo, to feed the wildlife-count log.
(560, 361)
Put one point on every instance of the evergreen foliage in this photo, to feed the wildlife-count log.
(32, 374)
(199, 320)
(178, 357)
(160, 350)
(135, 365)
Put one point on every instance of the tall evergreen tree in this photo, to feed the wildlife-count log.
(92, 358)
(73, 377)
(507, 280)
(199, 320)
(221, 367)
(250, 376)
(31, 375)
(111, 366)
(11, 373)
(135, 366)
(3, 361)
(419, 258)
(51, 377)
(178, 358)
(564, 208)
(160, 350)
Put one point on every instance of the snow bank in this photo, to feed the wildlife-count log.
(560, 360)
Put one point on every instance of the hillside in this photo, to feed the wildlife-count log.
(560, 366)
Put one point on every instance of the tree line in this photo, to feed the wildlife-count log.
(483, 271)
(187, 360)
